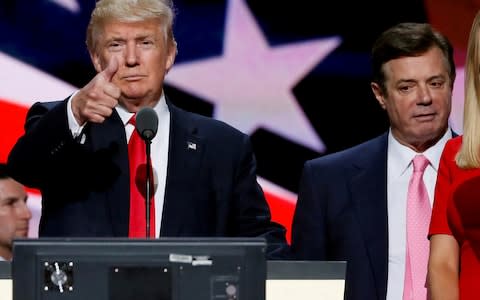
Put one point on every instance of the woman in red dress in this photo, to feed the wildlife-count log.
(454, 263)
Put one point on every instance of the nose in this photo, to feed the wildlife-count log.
(425, 95)
(131, 55)
(24, 212)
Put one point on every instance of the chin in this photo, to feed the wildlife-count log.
(134, 99)
(22, 232)
(134, 94)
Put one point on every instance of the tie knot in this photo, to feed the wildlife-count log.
(420, 163)
(132, 120)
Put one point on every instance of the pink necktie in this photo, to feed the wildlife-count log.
(418, 219)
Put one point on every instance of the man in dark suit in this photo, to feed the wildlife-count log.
(75, 151)
(352, 204)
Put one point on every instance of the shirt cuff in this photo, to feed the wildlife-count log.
(75, 128)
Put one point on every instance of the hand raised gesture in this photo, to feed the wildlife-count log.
(96, 101)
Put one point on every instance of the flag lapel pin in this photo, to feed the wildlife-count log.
(191, 146)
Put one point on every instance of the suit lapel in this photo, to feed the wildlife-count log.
(186, 149)
(111, 135)
(369, 195)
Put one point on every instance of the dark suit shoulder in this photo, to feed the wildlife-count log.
(47, 104)
(362, 152)
(206, 127)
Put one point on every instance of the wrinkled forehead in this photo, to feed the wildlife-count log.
(123, 29)
(131, 29)
(431, 63)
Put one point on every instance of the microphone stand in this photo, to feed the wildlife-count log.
(148, 188)
(146, 125)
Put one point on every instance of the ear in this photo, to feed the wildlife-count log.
(172, 53)
(378, 92)
(96, 62)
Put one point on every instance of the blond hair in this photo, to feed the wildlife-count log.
(130, 11)
(469, 154)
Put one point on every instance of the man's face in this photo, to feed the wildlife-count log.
(143, 56)
(14, 213)
(417, 98)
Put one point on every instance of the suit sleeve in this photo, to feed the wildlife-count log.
(308, 227)
(47, 155)
(251, 212)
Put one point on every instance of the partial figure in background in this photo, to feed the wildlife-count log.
(82, 152)
(454, 264)
(362, 205)
(14, 213)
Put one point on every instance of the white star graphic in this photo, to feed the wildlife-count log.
(70, 5)
(251, 83)
(15, 75)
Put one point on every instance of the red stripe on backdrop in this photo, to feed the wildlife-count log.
(12, 118)
(282, 211)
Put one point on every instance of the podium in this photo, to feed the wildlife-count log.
(146, 269)
(305, 280)
(5, 280)
(163, 269)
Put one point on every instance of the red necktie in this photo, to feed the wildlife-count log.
(137, 161)
(418, 219)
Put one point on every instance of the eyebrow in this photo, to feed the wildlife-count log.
(434, 77)
(10, 199)
(140, 36)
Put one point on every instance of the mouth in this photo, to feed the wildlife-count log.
(425, 117)
(133, 77)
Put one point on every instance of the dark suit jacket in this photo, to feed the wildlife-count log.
(210, 191)
(341, 214)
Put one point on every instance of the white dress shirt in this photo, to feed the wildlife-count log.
(399, 171)
(159, 148)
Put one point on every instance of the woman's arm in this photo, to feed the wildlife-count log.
(443, 268)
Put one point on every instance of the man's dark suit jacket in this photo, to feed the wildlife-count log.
(341, 214)
(210, 190)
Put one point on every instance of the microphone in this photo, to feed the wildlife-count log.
(147, 126)
(147, 123)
